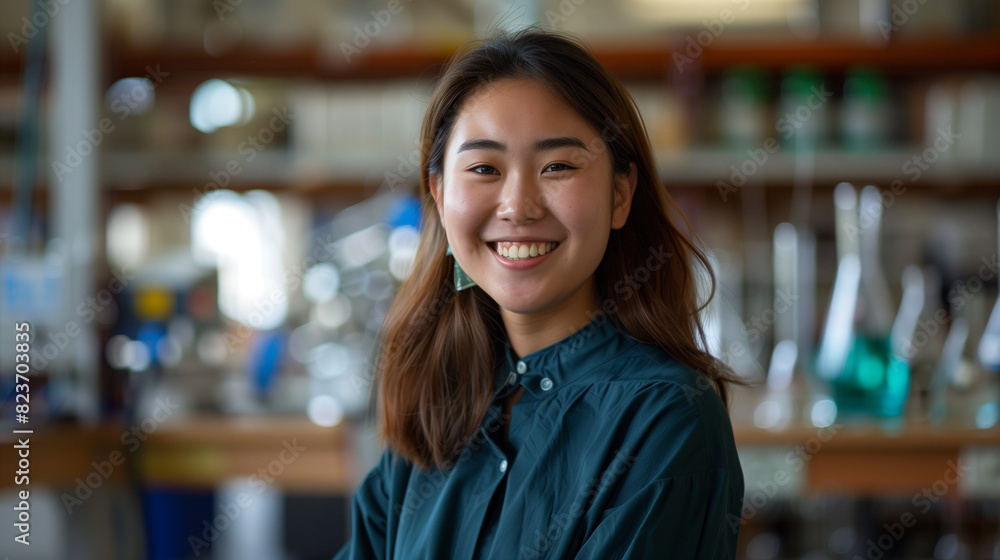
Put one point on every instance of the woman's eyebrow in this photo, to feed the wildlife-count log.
(538, 146)
(559, 142)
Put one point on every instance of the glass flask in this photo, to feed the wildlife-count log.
(863, 352)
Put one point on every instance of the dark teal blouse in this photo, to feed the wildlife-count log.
(616, 450)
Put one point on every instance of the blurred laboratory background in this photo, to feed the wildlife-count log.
(207, 206)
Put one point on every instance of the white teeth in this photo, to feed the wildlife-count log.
(517, 251)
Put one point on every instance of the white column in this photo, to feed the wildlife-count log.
(74, 109)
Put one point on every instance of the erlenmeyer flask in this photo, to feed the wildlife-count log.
(867, 377)
(962, 392)
(787, 394)
(989, 344)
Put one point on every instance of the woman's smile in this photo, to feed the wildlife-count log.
(509, 255)
(520, 250)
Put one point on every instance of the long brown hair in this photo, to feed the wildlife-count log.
(438, 349)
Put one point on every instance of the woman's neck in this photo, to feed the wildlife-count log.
(529, 332)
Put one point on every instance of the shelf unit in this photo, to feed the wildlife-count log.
(865, 460)
(698, 166)
(202, 451)
(628, 63)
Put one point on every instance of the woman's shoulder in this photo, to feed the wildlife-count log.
(655, 370)
(664, 404)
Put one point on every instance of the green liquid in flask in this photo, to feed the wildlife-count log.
(874, 382)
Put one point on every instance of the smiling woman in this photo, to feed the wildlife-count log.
(531, 185)
(541, 375)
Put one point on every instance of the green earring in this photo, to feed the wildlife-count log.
(462, 280)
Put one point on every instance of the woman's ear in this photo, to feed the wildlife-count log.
(624, 191)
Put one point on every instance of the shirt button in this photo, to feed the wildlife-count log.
(503, 465)
(521, 366)
(512, 378)
(546, 384)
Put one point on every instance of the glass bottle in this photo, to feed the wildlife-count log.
(860, 354)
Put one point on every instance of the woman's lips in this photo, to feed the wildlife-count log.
(519, 250)
(519, 263)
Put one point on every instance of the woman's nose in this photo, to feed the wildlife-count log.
(520, 201)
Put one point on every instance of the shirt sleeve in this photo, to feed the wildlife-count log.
(682, 497)
(686, 516)
(369, 516)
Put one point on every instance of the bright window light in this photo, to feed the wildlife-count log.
(741, 13)
(242, 236)
(127, 234)
(217, 103)
(130, 96)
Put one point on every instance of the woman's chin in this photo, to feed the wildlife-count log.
(522, 305)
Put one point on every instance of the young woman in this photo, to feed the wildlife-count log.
(541, 387)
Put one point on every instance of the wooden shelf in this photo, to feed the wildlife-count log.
(628, 63)
(60, 454)
(201, 452)
(296, 453)
(353, 173)
(372, 64)
(196, 452)
(864, 460)
(646, 60)
(708, 166)
(864, 438)
(914, 57)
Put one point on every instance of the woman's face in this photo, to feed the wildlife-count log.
(524, 173)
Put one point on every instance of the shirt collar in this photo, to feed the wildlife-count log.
(546, 369)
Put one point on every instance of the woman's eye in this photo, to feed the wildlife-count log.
(484, 170)
(559, 167)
